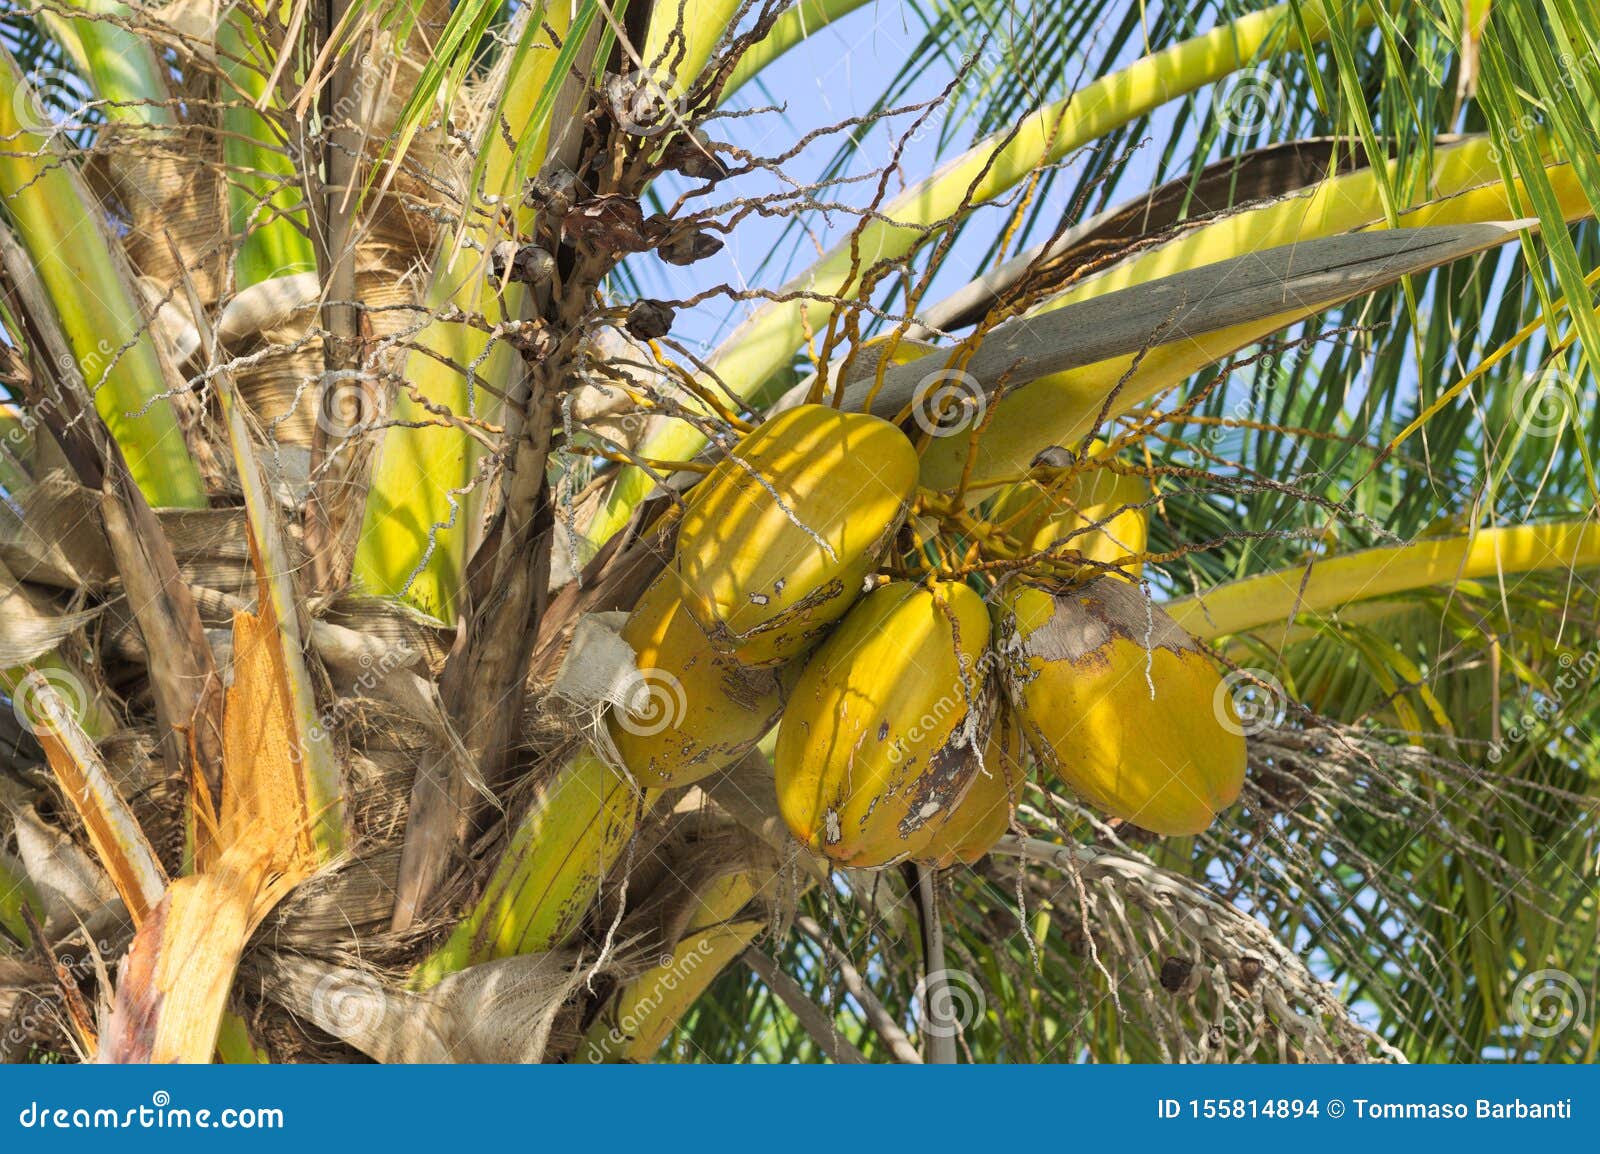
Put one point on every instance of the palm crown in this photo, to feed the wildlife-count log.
(1121, 595)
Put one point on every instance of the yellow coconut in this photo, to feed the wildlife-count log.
(1121, 703)
(776, 542)
(870, 752)
(981, 818)
(693, 709)
(1096, 512)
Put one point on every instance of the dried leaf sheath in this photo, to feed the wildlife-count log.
(277, 817)
(118, 839)
(172, 989)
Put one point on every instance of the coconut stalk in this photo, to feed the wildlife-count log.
(490, 662)
(266, 213)
(420, 514)
(85, 283)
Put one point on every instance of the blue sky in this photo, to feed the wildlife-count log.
(836, 74)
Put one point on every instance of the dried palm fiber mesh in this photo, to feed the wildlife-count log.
(170, 185)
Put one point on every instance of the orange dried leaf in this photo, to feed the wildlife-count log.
(262, 787)
(113, 829)
(172, 990)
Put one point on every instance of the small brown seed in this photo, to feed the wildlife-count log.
(1175, 974)
(648, 320)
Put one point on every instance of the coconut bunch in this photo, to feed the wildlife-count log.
(911, 696)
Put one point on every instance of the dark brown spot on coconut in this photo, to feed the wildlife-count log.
(947, 775)
(747, 688)
(802, 610)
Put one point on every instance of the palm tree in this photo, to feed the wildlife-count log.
(350, 409)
